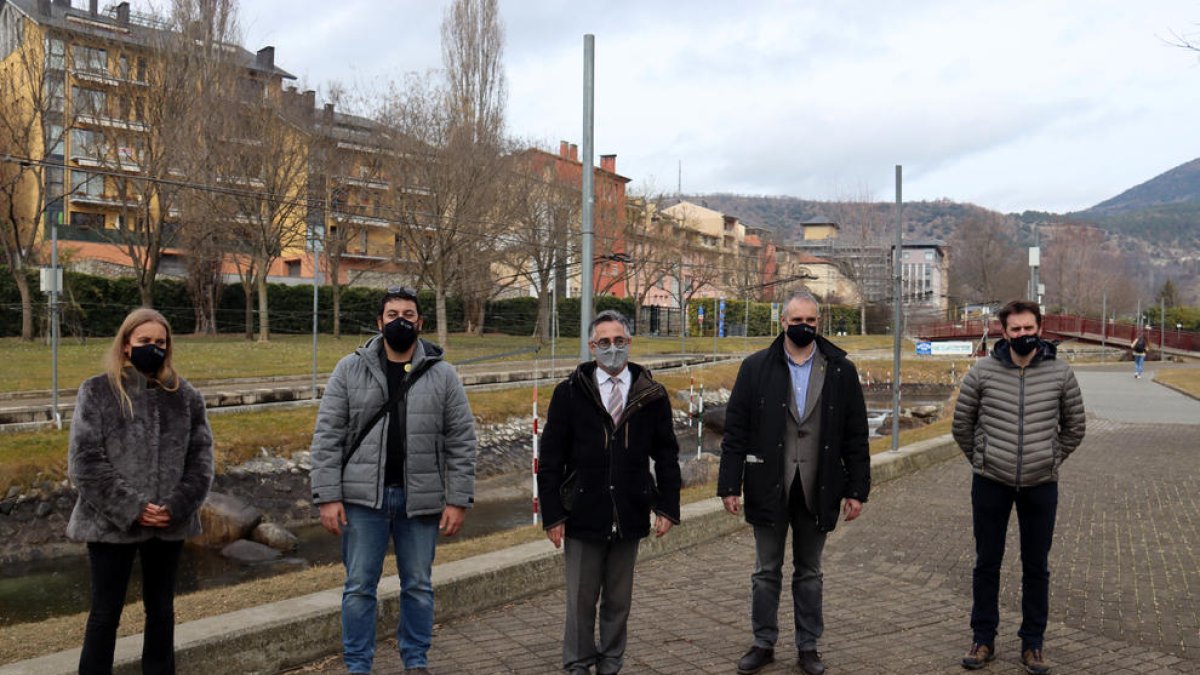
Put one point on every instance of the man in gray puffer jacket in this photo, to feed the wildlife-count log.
(1019, 415)
(393, 457)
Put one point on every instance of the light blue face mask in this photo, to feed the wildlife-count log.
(612, 358)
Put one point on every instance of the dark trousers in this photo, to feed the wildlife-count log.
(770, 543)
(1037, 506)
(111, 566)
(597, 571)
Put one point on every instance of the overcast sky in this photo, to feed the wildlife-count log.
(1014, 105)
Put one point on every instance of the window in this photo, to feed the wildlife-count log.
(54, 94)
(91, 221)
(88, 101)
(929, 255)
(54, 182)
(141, 70)
(56, 53)
(89, 59)
(123, 67)
(87, 143)
(54, 140)
(293, 268)
(87, 184)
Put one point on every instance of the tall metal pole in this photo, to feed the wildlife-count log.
(54, 320)
(682, 311)
(896, 320)
(1104, 320)
(585, 295)
(1162, 328)
(316, 288)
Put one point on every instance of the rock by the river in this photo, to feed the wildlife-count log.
(244, 550)
(275, 536)
(225, 519)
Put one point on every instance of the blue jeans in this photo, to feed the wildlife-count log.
(991, 505)
(364, 546)
(1139, 363)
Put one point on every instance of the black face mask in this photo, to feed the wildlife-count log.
(400, 334)
(148, 359)
(1023, 345)
(801, 334)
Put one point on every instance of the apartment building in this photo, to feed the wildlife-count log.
(112, 172)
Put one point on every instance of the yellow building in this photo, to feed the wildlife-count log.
(108, 164)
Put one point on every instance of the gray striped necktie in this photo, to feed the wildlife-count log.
(615, 405)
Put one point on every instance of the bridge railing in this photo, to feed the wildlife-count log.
(1095, 330)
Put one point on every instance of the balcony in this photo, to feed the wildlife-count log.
(111, 123)
(95, 76)
(103, 200)
(359, 219)
(367, 183)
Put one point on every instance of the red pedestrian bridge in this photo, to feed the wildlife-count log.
(1070, 327)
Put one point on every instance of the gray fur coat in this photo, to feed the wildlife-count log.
(161, 455)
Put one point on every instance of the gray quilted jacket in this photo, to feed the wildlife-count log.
(439, 466)
(163, 454)
(1017, 425)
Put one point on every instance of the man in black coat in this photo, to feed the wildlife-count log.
(796, 445)
(606, 422)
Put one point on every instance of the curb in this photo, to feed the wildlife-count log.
(289, 633)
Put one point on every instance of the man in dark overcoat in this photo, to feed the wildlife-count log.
(606, 423)
(795, 446)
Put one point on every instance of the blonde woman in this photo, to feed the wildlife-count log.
(141, 457)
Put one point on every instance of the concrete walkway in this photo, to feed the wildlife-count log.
(1125, 584)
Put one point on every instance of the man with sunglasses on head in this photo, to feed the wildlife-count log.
(607, 421)
(796, 445)
(393, 458)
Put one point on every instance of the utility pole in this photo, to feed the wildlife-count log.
(896, 281)
(586, 254)
(316, 250)
(55, 288)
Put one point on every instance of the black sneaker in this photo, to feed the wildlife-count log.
(755, 660)
(978, 656)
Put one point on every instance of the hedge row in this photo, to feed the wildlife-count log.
(95, 306)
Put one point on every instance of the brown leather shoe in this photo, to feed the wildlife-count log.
(1034, 662)
(810, 662)
(978, 656)
(755, 660)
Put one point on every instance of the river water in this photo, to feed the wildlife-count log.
(41, 589)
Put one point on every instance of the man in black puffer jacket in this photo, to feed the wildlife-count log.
(796, 445)
(606, 422)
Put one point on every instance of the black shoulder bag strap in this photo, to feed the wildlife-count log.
(379, 414)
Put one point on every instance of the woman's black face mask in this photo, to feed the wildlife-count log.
(148, 359)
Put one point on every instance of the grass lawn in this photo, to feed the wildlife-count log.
(1183, 379)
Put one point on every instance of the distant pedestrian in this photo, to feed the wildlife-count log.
(393, 459)
(141, 456)
(796, 445)
(1019, 415)
(607, 422)
(1139, 355)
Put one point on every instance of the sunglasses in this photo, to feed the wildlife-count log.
(403, 292)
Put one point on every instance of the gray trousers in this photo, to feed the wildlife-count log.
(767, 580)
(597, 571)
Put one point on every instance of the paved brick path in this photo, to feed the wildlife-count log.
(1125, 578)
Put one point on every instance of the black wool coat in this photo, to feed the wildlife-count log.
(755, 423)
(606, 467)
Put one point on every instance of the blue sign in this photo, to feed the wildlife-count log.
(721, 318)
(700, 314)
(924, 348)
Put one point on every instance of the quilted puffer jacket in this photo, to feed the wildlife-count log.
(1017, 425)
(439, 465)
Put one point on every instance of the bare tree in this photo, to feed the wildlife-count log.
(163, 134)
(988, 265)
(653, 254)
(449, 151)
(265, 165)
(351, 193)
(33, 124)
(861, 250)
(1080, 268)
(543, 212)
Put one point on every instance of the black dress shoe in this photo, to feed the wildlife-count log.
(755, 660)
(810, 662)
